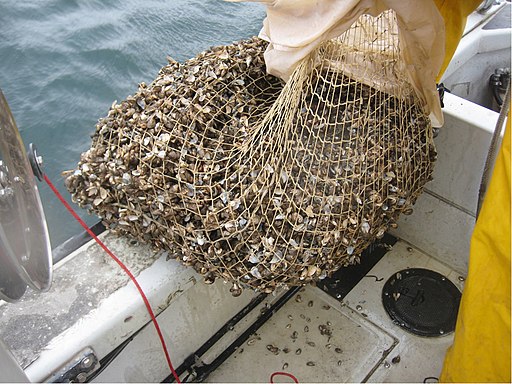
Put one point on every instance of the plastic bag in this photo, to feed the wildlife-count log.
(294, 28)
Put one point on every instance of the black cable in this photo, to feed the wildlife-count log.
(498, 82)
(105, 361)
(72, 244)
(203, 371)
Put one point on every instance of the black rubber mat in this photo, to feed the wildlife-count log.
(422, 301)
(345, 279)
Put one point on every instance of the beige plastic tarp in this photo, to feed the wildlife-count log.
(294, 28)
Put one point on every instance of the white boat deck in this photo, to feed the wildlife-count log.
(365, 344)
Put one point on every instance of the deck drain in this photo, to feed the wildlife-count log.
(422, 301)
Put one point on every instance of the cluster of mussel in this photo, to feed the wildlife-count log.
(196, 163)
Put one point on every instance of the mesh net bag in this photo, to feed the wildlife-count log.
(259, 184)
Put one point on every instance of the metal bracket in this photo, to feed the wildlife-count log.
(78, 369)
(441, 89)
(36, 162)
(486, 5)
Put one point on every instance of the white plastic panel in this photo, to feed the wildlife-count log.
(444, 215)
(462, 146)
(440, 230)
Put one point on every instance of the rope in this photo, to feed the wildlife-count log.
(493, 150)
(124, 268)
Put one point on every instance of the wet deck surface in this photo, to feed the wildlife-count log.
(316, 338)
(364, 344)
(79, 285)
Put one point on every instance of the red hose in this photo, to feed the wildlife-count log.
(283, 374)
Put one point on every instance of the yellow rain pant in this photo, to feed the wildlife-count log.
(481, 348)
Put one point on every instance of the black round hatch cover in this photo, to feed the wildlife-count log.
(422, 301)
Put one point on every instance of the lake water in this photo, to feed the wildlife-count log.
(63, 63)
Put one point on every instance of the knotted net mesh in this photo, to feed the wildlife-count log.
(259, 184)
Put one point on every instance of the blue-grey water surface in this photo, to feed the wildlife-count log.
(63, 63)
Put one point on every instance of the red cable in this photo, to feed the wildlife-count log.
(283, 374)
(125, 269)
